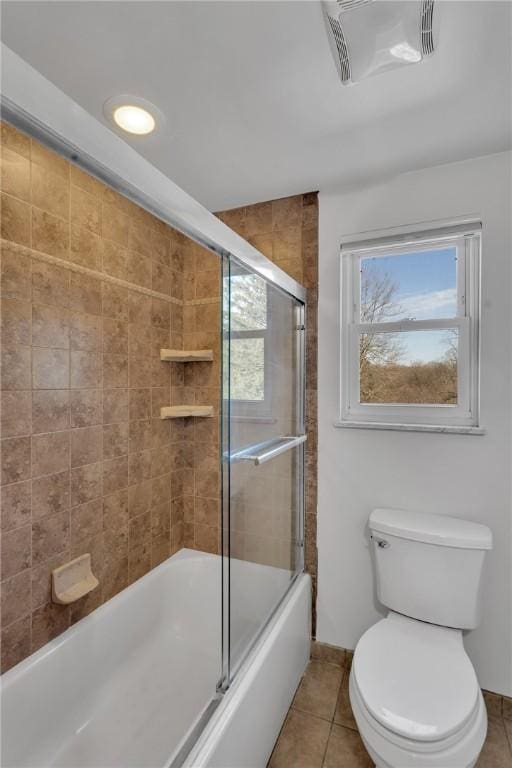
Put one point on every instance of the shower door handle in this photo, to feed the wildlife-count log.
(263, 452)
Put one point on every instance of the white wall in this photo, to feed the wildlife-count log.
(463, 475)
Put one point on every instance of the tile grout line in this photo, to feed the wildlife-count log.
(327, 744)
(508, 735)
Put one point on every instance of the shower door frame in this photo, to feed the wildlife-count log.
(228, 670)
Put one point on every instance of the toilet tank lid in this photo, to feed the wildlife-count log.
(431, 529)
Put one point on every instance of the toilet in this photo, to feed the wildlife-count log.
(413, 690)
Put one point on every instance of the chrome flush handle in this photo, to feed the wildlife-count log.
(382, 543)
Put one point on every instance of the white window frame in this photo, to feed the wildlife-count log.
(466, 413)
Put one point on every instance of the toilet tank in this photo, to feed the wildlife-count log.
(429, 567)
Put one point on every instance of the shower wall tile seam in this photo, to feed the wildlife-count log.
(79, 269)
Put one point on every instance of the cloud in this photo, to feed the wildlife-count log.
(427, 306)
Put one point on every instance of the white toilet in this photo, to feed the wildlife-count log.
(413, 689)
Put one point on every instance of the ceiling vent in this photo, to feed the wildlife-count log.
(346, 5)
(427, 34)
(341, 49)
(368, 37)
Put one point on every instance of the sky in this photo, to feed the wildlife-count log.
(426, 289)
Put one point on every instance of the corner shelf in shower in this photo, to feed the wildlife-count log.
(186, 355)
(184, 411)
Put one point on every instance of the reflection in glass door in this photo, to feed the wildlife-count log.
(263, 452)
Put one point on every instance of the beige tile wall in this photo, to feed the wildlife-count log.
(91, 290)
(286, 231)
(201, 330)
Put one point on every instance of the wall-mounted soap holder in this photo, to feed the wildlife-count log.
(73, 580)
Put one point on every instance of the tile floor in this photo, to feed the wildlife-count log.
(320, 730)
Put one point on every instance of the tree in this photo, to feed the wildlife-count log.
(384, 377)
(377, 349)
(245, 313)
(452, 348)
(247, 302)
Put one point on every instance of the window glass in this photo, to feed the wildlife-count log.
(421, 285)
(409, 367)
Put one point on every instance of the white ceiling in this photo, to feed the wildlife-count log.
(254, 109)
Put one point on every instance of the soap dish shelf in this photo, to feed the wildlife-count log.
(73, 580)
(185, 411)
(186, 355)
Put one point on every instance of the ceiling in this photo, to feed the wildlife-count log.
(254, 109)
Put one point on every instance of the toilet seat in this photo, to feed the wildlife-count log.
(415, 679)
(389, 750)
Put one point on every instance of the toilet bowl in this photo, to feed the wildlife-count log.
(413, 689)
(415, 696)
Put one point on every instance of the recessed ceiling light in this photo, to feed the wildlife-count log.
(134, 119)
(133, 114)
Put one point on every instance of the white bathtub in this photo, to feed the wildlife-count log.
(125, 686)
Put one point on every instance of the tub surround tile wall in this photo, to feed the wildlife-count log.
(91, 290)
(286, 231)
(202, 279)
(92, 287)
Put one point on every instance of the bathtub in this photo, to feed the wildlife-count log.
(133, 685)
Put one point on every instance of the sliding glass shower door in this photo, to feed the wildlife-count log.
(263, 453)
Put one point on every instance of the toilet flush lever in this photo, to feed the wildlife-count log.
(382, 543)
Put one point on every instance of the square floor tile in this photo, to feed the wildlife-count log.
(302, 742)
(318, 690)
(346, 750)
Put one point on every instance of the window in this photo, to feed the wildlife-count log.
(249, 346)
(410, 329)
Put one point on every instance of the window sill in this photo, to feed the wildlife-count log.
(450, 430)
